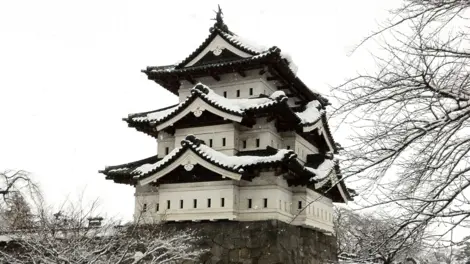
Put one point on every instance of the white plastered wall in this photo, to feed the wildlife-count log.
(282, 202)
(232, 82)
(215, 133)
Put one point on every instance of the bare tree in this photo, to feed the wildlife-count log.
(17, 192)
(366, 237)
(411, 116)
(75, 235)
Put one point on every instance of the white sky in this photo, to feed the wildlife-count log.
(70, 70)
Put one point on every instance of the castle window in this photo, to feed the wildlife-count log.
(238, 93)
(209, 203)
(181, 204)
(225, 94)
(168, 204)
(157, 207)
(222, 202)
(257, 142)
(194, 203)
(144, 207)
(244, 143)
(285, 206)
(223, 142)
(300, 204)
(249, 203)
(210, 143)
(265, 202)
(167, 150)
(251, 91)
(288, 147)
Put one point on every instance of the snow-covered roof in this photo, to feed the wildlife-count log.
(311, 114)
(190, 143)
(234, 106)
(322, 171)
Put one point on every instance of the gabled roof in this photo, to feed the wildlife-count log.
(233, 109)
(243, 55)
(193, 151)
(229, 37)
(232, 165)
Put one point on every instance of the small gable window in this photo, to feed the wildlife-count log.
(244, 143)
(223, 142)
(251, 91)
(238, 93)
(257, 142)
(225, 94)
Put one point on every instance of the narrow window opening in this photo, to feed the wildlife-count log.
(300, 204)
(249, 203)
(265, 202)
(222, 202)
(280, 204)
(157, 207)
(225, 94)
(181, 204)
(288, 147)
(209, 203)
(167, 150)
(257, 142)
(244, 143)
(194, 203)
(144, 208)
(210, 143)
(238, 93)
(251, 91)
(223, 142)
(168, 204)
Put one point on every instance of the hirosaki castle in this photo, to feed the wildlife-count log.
(248, 141)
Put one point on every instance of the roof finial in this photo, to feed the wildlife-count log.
(219, 21)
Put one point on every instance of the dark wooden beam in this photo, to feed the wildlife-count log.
(190, 79)
(215, 76)
(272, 78)
(282, 87)
(262, 71)
(241, 72)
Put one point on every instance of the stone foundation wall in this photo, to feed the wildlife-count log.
(263, 242)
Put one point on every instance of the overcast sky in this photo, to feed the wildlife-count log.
(70, 71)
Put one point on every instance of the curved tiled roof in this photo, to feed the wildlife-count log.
(236, 107)
(236, 164)
(230, 37)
